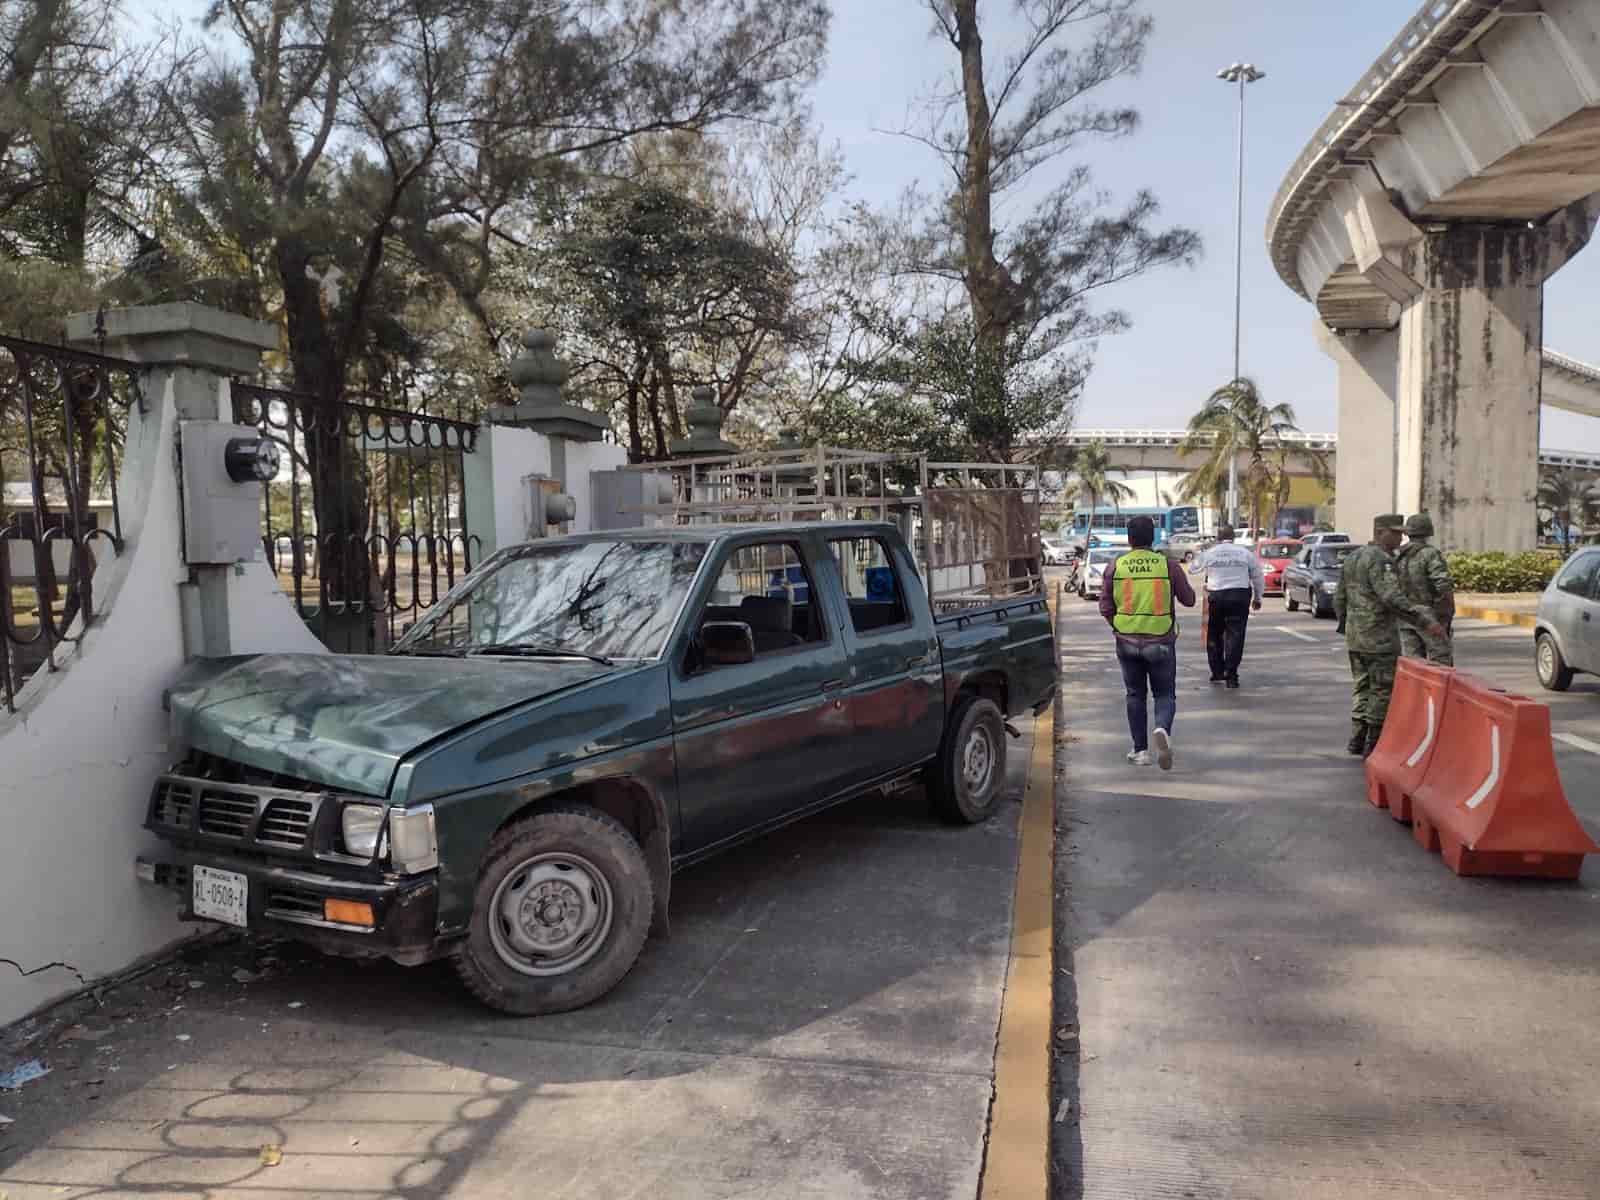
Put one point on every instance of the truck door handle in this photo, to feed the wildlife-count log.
(920, 660)
(833, 685)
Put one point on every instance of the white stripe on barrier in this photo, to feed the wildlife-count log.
(1427, 739)
(1487, 786)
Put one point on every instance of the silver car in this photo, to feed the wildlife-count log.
(1567, 630)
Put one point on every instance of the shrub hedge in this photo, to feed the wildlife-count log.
(1497, 571)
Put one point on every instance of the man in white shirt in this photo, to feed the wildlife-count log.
(1234, 586)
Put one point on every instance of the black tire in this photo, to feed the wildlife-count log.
(1318, 610)
(589, 861)
(1290, 604)
(1549, 665)
(963, 792)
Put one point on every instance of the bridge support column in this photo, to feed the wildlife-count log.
(1469, 379)
(1364, 472)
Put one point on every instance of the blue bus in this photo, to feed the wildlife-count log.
(1108, 525)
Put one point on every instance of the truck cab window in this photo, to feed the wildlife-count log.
(768, 588)
(871, 584)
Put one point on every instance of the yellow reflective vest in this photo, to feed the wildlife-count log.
(1143, 594)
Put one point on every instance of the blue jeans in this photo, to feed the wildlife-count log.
(1153, 666)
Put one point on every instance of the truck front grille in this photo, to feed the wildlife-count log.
(174, 804)
(286, 823)
(226, 814)
(270, 818)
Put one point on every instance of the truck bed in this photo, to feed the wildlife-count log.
(1011, 639)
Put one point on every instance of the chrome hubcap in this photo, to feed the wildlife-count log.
(1547, 661)
(550, 914)
(977, 761)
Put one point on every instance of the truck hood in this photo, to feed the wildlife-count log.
(346, 721)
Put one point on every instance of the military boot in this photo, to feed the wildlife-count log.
(1374, 732)
(1358, 738)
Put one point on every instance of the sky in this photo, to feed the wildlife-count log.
(1181, 342)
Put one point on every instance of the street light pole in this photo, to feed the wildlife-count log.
(1240, 74)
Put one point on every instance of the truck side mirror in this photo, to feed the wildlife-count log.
(726, 644)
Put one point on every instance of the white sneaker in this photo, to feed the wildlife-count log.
(1162, 740)
(1139, 758)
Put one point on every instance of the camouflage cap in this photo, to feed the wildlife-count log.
(1419, 525)
(1387, 521)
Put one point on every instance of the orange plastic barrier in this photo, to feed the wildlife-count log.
(1396, 767)
(1492, 802)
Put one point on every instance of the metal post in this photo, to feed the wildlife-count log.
(1239, 74)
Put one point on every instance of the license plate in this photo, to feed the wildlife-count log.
(222, 896)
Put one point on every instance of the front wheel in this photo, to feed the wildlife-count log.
(1290, 604)
(1554, 674)
(560, 913)
(970, 773)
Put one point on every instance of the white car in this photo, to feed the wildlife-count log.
(1055, 552)
(1100, 560)
(1322, 539)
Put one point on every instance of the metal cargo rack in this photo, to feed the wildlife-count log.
(973, 526)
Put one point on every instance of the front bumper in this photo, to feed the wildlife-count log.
(289, 902)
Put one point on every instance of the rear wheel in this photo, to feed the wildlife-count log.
(560, 913)
(967, 779)
(1554, 674)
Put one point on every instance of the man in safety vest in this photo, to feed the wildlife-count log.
(1137, 597)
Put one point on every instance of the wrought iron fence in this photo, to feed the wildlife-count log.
(366, 524)
(63, 421)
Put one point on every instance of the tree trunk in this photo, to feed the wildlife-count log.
(990, 288)
(338, 480)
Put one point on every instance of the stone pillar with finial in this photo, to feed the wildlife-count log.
(498, 473)
(704, 417)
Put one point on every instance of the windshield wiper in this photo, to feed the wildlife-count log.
(540, 650)
(428, 651)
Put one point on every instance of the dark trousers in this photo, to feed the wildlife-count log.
(1153, 667)
(1228, 613)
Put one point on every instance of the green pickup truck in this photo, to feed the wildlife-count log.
(514, 784)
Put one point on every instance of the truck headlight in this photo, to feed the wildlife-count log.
(1328, 587)
(413, 843)
(361, 824)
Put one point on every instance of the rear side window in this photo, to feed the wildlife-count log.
(1579, 576)
(768, 588)
(872, 585)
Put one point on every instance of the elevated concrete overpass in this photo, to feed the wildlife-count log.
(1422, 221)
(1157, 450)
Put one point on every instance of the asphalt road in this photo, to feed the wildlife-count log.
(1277, 992)
(821, 1024)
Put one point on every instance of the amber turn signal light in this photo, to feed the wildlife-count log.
(348, 912)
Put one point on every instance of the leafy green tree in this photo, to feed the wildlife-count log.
(1002, 124)
(1236, 421)
(1094, 478)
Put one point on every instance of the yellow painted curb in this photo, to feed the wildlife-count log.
(1017, 1165)
(1499, 616)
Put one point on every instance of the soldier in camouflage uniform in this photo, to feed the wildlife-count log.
(1425, 578)
(1370, 605)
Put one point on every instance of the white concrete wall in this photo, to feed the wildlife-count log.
(83, 750)
(80, 755)
(496, 496)
(583, 460)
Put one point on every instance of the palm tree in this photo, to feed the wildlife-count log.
(1094, 467)
(1570, 499)
(1235, 420)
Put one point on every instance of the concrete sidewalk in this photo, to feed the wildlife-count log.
(1278, 993)
(822, 1023)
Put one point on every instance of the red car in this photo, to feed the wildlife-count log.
(1276, 554)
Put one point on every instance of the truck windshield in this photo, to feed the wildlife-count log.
(607, 599)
